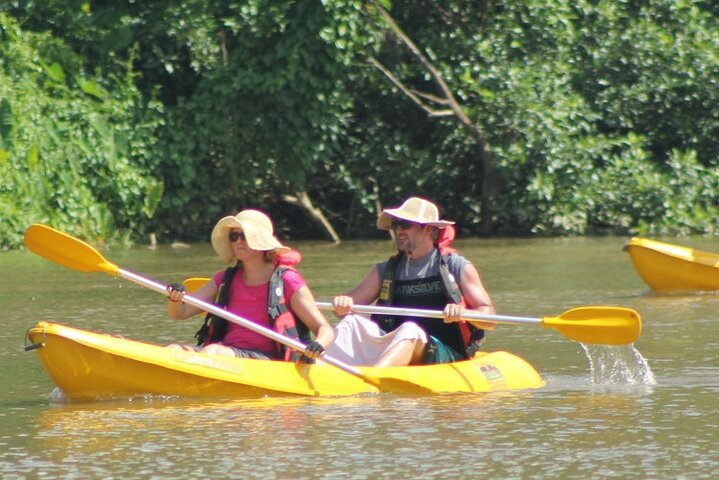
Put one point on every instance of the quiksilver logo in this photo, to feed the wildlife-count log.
(420, 289)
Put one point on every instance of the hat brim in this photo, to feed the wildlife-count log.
(384, 221)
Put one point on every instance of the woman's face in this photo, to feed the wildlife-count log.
(239, 245)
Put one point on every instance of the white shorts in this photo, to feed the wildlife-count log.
(359, 340)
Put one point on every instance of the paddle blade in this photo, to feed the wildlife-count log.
(194, 283)
(600, 325)
(66, 250)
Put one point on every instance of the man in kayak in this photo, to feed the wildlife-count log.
(262, 286)
(424, 273)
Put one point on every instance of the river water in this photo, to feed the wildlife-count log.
(641, 411)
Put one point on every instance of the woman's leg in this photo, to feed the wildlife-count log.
(186, 348)
(218, 349)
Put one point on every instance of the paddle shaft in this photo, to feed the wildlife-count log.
(417, 312)
(220, 312)
(590, 324)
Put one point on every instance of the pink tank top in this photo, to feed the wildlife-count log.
(250, 303)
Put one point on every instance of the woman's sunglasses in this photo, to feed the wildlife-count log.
(234, 236)
(403, 224)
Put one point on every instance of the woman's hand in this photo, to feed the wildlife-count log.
(175, 292)
(314, 349)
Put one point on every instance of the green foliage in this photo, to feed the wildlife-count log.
(6, 125)
(652, 68)
(265, 123)
(678, 200)
(162, 116)
(69, 144)
(562, 90)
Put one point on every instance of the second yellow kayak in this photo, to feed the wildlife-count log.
(667, 267)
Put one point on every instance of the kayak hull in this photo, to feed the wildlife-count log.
(89, 366)
(667, 267)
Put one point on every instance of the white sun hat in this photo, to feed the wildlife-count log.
(414, 209)
(258, 231)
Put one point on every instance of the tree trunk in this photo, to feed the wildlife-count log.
(377, 203)
(303, 201)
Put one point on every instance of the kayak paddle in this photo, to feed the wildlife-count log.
(592, 324)
(72, 252)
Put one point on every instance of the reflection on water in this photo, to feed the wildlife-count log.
(261, 438)
(556, 432)
(605, 412)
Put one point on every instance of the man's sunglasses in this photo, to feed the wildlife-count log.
(403, 224)
(234, 236)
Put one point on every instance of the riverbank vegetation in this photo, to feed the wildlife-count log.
(553, 117)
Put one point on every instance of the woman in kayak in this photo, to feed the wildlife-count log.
(261, 286)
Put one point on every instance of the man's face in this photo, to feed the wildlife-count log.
(408, 235)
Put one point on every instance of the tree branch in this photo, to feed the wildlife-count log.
(486, 156)
(414, 97)
(449, 98)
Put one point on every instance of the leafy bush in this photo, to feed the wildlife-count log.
(70, 143)
(597, 115)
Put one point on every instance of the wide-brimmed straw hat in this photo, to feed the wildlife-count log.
(258, 231)
(414, 209)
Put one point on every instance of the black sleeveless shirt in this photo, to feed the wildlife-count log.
(427, 290)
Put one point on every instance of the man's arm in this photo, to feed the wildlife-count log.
(364, 293)
(475, 296)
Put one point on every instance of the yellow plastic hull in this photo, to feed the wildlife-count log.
(91, 366)
(666, 267)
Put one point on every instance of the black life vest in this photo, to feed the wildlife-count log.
(282, 320)
(433, 292)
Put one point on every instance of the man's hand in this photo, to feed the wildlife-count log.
(342, 305)
(453, 312)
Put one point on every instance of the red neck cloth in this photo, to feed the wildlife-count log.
(445, 239)
(289, 259)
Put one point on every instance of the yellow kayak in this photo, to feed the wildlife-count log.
(90, 366)
(666, 267)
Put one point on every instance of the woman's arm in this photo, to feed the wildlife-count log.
(304, 306)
